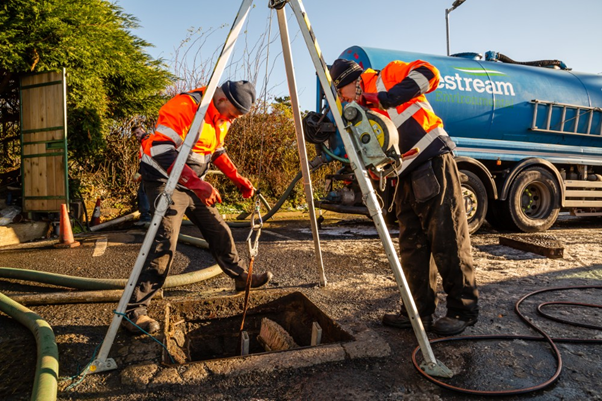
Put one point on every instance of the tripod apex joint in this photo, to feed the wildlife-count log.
(277, 4)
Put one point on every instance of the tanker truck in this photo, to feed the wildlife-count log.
(528, 137)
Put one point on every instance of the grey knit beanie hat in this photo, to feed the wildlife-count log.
(240, 93)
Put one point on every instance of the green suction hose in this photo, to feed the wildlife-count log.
(85, 283)
(47, 367)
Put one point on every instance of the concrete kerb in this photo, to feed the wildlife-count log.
(367, 344)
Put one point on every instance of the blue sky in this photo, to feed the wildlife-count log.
(524, 30)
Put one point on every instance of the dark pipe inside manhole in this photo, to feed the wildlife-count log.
(209, 329)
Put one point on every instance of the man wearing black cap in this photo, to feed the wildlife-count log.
(428, 197)
(193, 197)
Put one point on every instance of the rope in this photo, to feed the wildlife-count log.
(85, 371)
(81, 373)
(148, 334)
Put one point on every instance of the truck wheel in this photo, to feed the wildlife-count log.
(533, 203)
(475, 200)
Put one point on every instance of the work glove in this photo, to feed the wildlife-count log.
(206, 193)
(373, 175)
(224, 163)
(370, 100)
(410, 154)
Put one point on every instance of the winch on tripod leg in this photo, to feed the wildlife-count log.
(375, 135)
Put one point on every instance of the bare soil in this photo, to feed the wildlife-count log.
(360, 289)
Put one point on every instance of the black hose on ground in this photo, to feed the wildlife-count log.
(551, 341)
(276, 207)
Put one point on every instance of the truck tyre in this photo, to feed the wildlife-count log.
(475, 200)
(533, 203)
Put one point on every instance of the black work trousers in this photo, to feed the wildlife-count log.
(213, 228)
(432, 223)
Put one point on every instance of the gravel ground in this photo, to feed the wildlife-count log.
(360, 289)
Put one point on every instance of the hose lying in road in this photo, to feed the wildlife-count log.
(73, 297)
(47, 367)
(86, 283)
(545, 337)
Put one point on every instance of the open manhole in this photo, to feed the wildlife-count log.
(209, 329)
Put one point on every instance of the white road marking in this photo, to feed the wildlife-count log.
(101, 247)
(277, 235)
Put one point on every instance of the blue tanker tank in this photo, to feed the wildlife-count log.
(529, 138)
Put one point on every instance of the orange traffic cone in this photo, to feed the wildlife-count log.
(96, 214)
(66, 234)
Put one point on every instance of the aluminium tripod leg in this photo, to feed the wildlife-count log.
(431, 365)
(292, 87)
(102, 362)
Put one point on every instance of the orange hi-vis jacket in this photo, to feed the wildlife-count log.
(401, 88)
(175, 119)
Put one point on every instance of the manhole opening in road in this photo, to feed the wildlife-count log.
(208, 329)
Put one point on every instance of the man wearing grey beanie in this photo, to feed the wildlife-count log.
(193, 197)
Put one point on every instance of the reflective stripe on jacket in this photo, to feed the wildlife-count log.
(175, 119)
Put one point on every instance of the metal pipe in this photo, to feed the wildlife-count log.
(447, 11)
(118, 220)
(455, 5)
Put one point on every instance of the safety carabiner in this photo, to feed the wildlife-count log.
(253, 244)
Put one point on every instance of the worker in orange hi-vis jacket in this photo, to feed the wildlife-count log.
(433, 230)
(193, 196)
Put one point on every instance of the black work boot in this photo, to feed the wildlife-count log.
(257, 280)
(450, 325)
(402, 321)
(145, 323)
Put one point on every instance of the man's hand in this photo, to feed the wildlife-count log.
(205, 192)
(245, 187)
(370, 100)
(224, 163)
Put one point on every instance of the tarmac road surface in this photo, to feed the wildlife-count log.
(360, 289)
